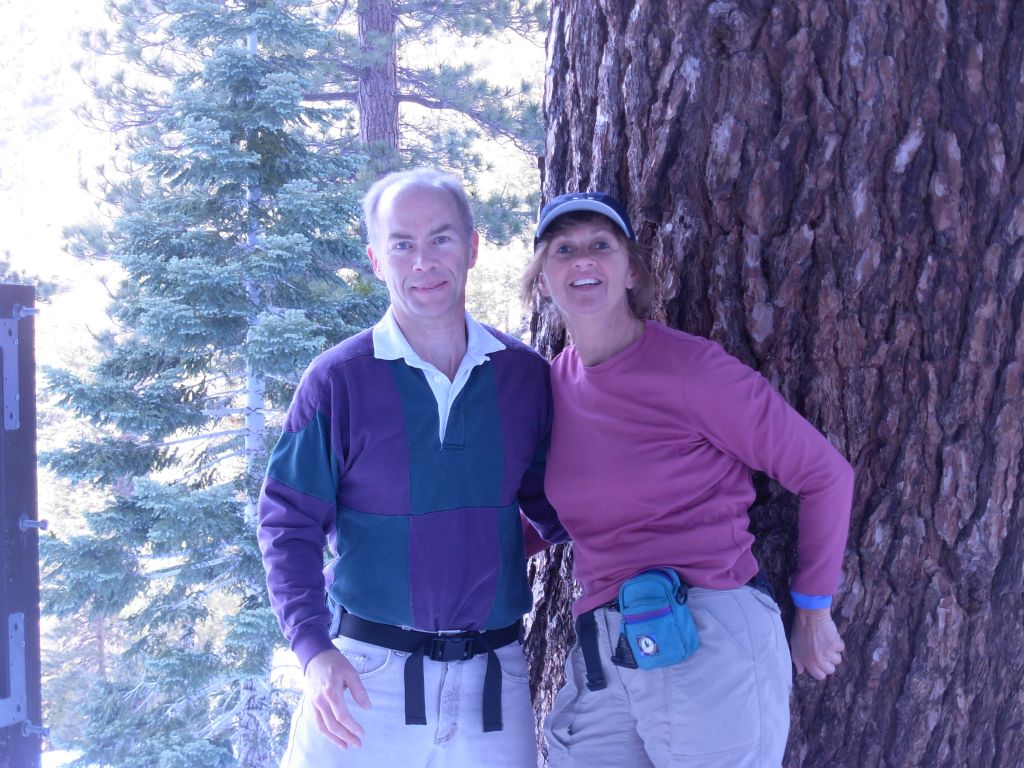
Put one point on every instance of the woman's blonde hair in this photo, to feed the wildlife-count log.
(641, 295)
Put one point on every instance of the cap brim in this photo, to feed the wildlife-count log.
(582, 204)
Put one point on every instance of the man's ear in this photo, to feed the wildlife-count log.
(474, 249)
(374, 262)
(542, 287)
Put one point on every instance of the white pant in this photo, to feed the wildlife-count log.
(726, 706)
(453, 736)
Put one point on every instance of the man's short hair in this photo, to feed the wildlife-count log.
(417, 177)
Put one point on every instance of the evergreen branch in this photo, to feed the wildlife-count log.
(221, 412)
(332, 97)
(234, 705)
(209, 464)
(506, 112)
(476, 114)
(218, 586)
(206, 591)
(174, 570)
(222, 395)
(194, 438)
(291, 381)
(471, 18)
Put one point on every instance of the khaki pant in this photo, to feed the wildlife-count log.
(453, 736)
(726, 706)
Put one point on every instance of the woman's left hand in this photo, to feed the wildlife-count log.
(815, 643)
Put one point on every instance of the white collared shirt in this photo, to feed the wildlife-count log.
(389, 343)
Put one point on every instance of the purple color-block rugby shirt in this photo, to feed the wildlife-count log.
(422, 532)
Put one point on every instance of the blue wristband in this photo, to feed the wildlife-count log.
(810, 602)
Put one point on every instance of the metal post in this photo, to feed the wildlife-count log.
(20, 702)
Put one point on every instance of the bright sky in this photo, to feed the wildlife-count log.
(44, 151)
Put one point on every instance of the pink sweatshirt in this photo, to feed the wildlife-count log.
(650, 466)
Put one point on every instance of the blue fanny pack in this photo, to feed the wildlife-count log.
(656, 621)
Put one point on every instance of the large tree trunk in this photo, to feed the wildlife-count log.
(834, 192)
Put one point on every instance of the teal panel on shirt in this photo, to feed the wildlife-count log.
(303, 460)
(515, 596)
(371, 571)
(468, 470)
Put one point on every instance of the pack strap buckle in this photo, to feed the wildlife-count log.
(454, 647)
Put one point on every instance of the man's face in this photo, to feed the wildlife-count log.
(422, 253)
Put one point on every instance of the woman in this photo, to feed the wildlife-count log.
(654, 437)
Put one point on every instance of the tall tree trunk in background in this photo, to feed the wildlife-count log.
(834, 192)
(378, 82)
(253, 747)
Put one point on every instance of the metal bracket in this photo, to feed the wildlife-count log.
(14, 709)
(11, 386)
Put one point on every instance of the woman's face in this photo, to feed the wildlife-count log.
(586, 270)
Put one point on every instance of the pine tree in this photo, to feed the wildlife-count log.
(421, 101)
(236, 225)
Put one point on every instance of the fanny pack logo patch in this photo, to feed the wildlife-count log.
(648, 645)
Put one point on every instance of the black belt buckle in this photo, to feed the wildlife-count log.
(452, 647)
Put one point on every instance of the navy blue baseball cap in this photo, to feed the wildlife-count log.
(596, 202)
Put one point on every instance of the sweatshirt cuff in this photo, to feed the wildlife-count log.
(310, 643)
(811, 602)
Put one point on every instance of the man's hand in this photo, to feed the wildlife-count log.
(815, 643)
(328, 674)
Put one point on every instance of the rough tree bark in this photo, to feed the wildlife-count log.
(378, 82)
(834, 192)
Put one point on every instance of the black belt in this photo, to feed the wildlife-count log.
(459, 646)
(586, 632)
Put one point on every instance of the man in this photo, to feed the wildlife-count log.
(409, 449)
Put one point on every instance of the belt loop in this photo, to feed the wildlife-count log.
(492, 693)
(415, 697)
(336, 615)
(586, 628)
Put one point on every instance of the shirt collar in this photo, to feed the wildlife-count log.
(389, 343)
